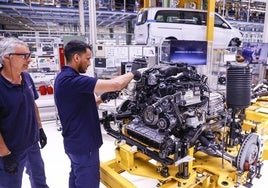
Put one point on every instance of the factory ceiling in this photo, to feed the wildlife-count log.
(23, 16)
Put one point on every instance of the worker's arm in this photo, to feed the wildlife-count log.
(98, 100)
(3, 147)
(37, 116)
(114, 84)
(107, 87)
(42, 135)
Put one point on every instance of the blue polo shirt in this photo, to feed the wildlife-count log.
(18, 123)
(78, 113)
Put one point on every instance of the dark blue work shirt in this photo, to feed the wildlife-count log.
(18, 123)
(78, 113)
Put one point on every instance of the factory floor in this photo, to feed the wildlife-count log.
(57, 165)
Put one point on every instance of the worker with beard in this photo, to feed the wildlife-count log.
(77, 105)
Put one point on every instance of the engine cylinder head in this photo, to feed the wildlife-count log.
(238, 86)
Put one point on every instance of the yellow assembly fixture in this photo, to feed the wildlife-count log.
(203, 171)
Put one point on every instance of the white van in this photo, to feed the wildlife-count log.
(154, 25)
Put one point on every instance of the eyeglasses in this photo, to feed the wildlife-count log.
(24, 55)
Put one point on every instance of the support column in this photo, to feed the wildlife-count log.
(265, 37)
(146, 3)
(265, 29)
(210, 38)
(248, 12)
(223, 8)
(92, 33)
(81, 17)
(210, 20)
(128, 32)
(92, 24)
(125, 6)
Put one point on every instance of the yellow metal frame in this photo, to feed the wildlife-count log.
(204, 172)
(257, 119)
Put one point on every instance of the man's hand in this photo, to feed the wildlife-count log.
(107, 96)
(137, 75)
(42, 138)
(10, 164)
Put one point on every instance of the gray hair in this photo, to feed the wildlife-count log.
(7, 46)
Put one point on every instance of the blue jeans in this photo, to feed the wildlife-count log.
(32, 160)
(85, 170)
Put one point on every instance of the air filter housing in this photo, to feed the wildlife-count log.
(238, 88)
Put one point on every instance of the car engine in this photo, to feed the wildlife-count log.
(171, 110)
